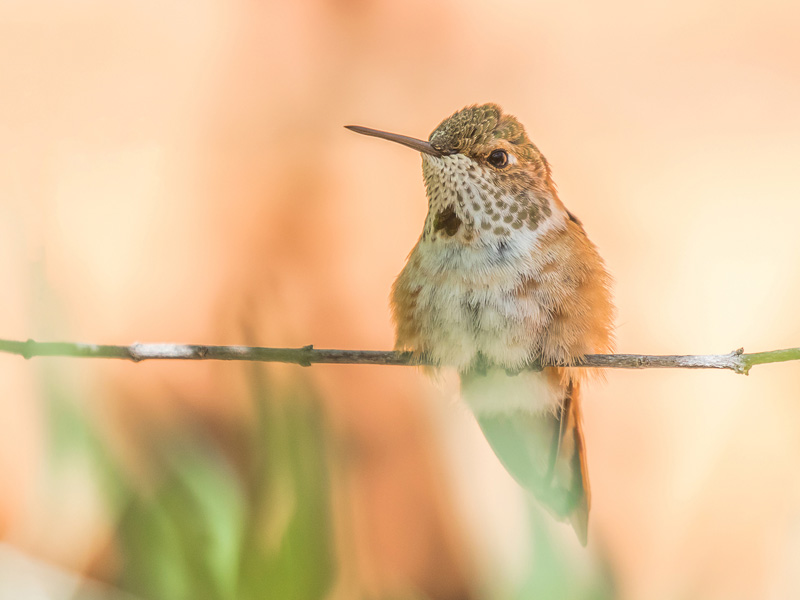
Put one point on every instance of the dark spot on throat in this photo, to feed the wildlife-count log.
(447, 220)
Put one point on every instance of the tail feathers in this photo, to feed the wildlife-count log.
(545, 453)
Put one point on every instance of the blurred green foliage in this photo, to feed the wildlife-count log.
(247, 515)
(557, 572)
(214, 527)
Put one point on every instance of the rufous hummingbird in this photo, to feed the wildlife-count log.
(502, 277)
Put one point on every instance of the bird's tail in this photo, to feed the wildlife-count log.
(540, 442)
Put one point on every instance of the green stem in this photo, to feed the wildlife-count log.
(771, 356)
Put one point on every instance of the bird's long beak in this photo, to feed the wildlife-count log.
(418, 145)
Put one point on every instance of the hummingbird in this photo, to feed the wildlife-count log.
(503, 277)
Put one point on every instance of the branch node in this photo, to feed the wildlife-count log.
(743, 366)
(305, 361)
(739, 362)
(133, 352)
(202, 351)
(29, 349)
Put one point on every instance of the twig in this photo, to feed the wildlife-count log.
(736, 361)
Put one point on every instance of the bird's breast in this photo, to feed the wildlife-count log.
(457, 302)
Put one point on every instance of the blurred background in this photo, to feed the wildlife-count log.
(178, 172)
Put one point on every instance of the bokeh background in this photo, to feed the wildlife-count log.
(178, 172)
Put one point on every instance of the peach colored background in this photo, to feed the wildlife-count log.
(178, 171)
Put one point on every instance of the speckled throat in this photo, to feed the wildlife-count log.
(468, 202)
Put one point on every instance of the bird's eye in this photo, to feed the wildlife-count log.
(498, 158)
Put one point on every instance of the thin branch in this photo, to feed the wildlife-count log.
(736, 361)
